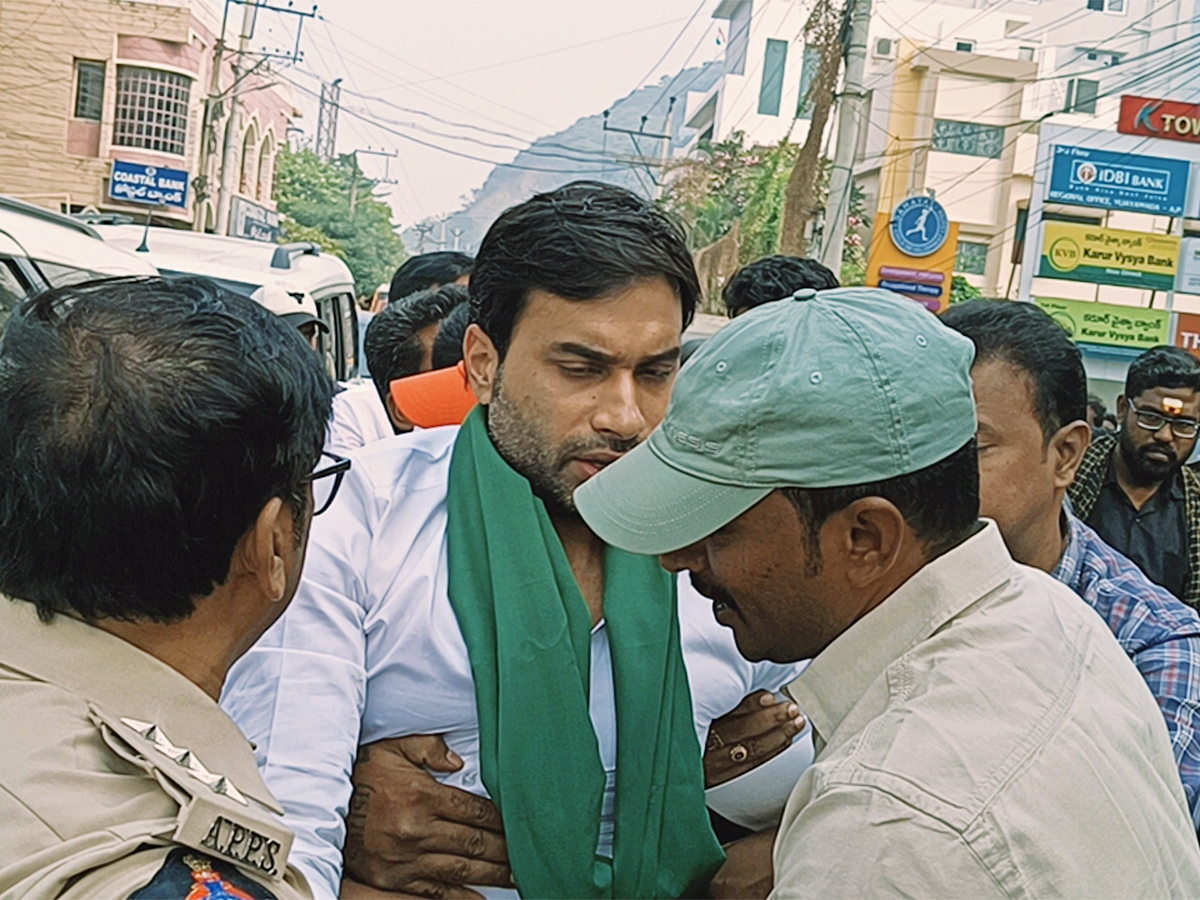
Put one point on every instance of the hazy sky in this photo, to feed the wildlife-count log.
(513, 69)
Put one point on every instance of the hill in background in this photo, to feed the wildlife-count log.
(582, 151)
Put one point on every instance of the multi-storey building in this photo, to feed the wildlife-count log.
(87, 82)
(956, 91)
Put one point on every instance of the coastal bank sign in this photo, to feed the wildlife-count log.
(148, 185)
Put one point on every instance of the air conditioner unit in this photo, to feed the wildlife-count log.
(885, 48)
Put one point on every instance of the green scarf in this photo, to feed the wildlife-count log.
(528, 633)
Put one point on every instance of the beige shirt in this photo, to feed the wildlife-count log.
(116, 771)
(984, 736)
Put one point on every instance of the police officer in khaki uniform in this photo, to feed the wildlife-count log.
(162, 461)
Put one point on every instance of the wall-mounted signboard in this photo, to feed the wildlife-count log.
(1109, 256)
(1171, 120)
(1109, 324)
(150, 185)
(1099, 178)
(913, 252)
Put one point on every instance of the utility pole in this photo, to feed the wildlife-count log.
(325, 145)
(458, 233)
(229, 166)
(355, 172)
(665, 152)
(208, 135)
(647, 162)
(422, 233)
(218, 107)
(841, 180)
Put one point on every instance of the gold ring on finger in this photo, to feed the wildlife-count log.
(738, 753)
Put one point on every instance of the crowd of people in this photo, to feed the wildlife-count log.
(859, 601)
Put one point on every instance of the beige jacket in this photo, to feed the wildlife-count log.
(982, 734)
(116, 771)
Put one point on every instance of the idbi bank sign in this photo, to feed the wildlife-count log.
(1149, 184)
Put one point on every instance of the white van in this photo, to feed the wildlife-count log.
(40, 249)
(244, 266)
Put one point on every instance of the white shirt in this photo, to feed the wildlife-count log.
(359, 418)
(370, 649)
(984, 735)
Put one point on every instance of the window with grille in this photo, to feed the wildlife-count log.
(152, 109)
(972, 258)
(89, 90)
(968, 138)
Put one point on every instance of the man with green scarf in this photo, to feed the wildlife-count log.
(454, 590)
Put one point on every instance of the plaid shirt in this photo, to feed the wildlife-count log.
(1160, 634)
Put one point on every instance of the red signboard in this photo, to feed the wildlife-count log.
(1188, 334)
(1167, 119)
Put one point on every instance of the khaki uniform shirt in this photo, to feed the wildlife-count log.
(981, 734)
(117, 773)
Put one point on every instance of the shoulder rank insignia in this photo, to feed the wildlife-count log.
(187, 875)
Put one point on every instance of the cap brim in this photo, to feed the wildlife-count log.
(299, 320)
(430, 399)
(642, 505)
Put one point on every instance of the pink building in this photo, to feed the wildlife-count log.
(88, 82)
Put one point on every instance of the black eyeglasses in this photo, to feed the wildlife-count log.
(1154, 421)
(326, 480)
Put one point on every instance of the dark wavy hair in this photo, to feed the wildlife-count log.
(429, 271)
(1023, 335)
(773, 278)
(583, 241)
(144, 423)
(392, 345)
(1162, 367)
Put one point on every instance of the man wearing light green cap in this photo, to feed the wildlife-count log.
(979, 732)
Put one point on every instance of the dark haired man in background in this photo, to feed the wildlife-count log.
(1133, 487)
(772, 278)
(159, 441)
(1030, 392)
(399, 344)
(979, 731)
(430, 271)
(453, 590)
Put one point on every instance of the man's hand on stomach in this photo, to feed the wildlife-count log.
(407, 832)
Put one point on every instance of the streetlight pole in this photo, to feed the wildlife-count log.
(841, 179)
(229, 164)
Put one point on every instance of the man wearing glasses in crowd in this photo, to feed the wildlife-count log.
(1133, 487)
(162, 447)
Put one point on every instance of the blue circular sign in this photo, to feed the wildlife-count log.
(919, 226)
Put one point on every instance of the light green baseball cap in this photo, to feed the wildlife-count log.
(831, 389)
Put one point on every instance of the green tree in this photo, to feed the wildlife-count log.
(962, 290)
(314, 198)
(727, 182)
